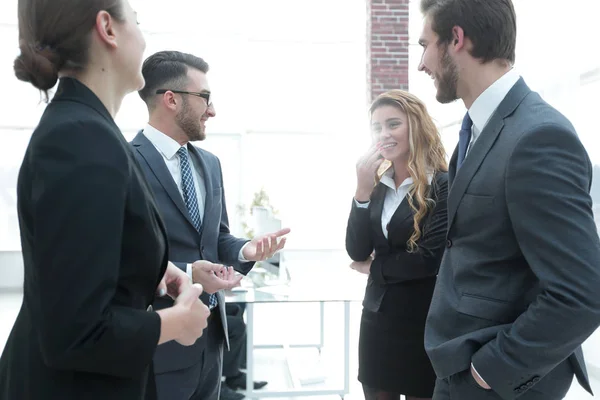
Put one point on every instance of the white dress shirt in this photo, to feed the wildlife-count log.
(168, 147)
(393, 197)
(483, 108)
(486, 104)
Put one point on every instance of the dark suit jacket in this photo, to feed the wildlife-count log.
(186, 245)
(517, 291)
(393, 264)
(94, 250)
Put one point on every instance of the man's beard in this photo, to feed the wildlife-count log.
(190, 124)
(447, 80)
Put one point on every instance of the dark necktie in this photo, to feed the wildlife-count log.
(464, 137)
(191, 200)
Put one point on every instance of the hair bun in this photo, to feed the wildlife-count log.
(37, 65)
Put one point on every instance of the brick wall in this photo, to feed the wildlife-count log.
(387, 46)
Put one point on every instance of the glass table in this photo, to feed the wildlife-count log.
(314, 285)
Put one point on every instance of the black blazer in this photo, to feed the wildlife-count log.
(214, 242)
(94, 250)
(393, 264)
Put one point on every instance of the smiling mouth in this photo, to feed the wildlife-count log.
(387, 146)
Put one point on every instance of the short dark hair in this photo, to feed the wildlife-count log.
(55, 35)
(490, 24)
(168, 68)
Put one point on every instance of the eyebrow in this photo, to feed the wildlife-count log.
(388, 120)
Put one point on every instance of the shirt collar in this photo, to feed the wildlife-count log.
(388, 180)
(486, 104)
(163, 143)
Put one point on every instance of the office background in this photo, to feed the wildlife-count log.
(291, 82)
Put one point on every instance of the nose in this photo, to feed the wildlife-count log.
(210, 111)
(384, 134)
(421, 66)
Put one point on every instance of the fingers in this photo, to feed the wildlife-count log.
(271, 244)
(281, 245)
(371, 160)
(281, 232)
(195, 290)
(161, 289)
(374, 149)
(260, 248)
(236, 281)
(377, 163)
(216, 268)
(373, 157)
(268, 245)
(190, 295)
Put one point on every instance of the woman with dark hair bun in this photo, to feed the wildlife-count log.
(94, 246)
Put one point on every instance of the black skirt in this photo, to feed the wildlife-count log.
(391, 349)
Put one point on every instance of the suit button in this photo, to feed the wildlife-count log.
(448, 243)
(536, 379)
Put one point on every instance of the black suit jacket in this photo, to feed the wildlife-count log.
(213, 243)
(517, 291)
(393, 264)
(94, 250)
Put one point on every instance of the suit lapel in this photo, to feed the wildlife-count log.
(402, 213)
(201, 164)
(159, 169)
(452, 166)
(481, 147)
(379, 195)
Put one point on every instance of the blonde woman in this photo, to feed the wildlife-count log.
(396, 234)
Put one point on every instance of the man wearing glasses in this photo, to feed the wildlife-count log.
(188, 188)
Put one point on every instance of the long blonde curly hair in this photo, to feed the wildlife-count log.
(427, 154)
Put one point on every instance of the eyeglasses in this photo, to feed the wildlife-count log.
(204, 95)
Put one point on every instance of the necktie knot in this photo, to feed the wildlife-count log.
(182, 152)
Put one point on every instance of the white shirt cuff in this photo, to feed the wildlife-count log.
(362, 205)
(477, 373)
(188, 271)
(241, 257)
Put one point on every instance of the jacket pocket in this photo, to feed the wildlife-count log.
(486, 308)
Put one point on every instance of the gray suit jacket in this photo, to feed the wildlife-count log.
(517, 291)
(186, 245)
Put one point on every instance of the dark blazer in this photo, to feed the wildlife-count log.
(186, 245)
(517, 291)
(393, 264)
(94, 250)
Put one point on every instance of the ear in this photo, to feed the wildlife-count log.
(105, 28)
(169, 100)
(458, 38)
